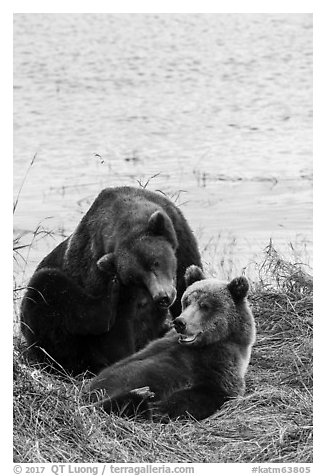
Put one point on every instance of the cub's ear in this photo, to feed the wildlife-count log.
(193, 273)
(238, 288)
(160, 224)
(107, 264)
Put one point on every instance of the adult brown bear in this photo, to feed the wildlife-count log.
(194, 368)
(104, 292)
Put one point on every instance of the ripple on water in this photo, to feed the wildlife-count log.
(217, 106)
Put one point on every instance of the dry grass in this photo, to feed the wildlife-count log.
(272, 423)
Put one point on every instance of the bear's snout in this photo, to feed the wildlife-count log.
(165, 300)
(161, 289)
(179, 325)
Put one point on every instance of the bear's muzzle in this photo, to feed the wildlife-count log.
(162, 290)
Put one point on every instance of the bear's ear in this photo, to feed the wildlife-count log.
(238, 288)
(193, 273)
(106, 264)
(160, 224)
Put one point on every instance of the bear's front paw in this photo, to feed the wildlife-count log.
(144, 393)
(141, 398)
(159, 412)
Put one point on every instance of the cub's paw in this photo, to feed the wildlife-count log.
(143, 393)
(141, 398)
(159, 412)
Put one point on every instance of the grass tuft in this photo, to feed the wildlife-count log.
(271, 423)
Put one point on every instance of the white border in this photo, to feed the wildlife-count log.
(6, 178)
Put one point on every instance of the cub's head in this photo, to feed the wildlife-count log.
(147, 260)
(209, 308)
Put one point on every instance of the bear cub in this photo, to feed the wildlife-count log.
(195, 367)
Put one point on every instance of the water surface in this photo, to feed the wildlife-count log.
(213, 109)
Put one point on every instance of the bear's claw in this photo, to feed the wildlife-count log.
(144, 392)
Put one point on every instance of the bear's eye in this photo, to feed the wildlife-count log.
(152, 265)
(185, 302)
(204, 306)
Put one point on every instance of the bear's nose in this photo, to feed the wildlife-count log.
(179, 325)
(163, 302)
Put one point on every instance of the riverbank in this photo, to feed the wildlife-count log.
(271, 423)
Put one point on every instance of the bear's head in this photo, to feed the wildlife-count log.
(210, 308)
(148, 259)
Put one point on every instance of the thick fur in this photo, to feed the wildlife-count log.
(103, 293)
(82, 333)
(192, 371)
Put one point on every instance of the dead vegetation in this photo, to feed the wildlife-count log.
(271, 423)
